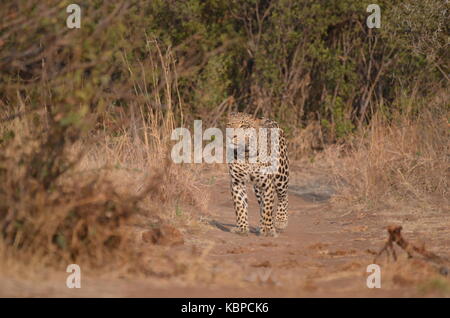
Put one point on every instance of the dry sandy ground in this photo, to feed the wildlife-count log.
(324, 252)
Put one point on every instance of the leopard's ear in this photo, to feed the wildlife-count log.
(268, 123)
(232, 114)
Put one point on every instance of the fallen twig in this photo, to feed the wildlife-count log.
(395, 236)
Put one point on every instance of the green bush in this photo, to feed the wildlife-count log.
(290, 59)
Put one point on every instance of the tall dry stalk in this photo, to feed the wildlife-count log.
(402, 159)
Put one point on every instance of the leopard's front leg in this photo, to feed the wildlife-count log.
(267, 194)
(239, 195)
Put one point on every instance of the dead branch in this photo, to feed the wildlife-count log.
(395, 236)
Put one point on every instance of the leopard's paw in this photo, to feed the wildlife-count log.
(240, 231)
(281, 225)
(264, 231)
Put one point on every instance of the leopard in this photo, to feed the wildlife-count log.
(267, 183)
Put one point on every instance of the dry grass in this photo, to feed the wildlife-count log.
(404, 159)
(71, 194)
(90, 212)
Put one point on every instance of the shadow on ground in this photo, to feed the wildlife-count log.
(226, 227)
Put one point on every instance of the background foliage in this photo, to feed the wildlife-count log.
(295, 61)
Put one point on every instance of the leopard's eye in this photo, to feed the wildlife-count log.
(244, 126)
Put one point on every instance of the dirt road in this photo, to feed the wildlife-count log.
(324, 253)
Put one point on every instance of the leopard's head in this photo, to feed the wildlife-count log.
(244, 125)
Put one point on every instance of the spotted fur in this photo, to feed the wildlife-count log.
(265, 185)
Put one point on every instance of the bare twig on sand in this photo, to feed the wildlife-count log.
(395, 236)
